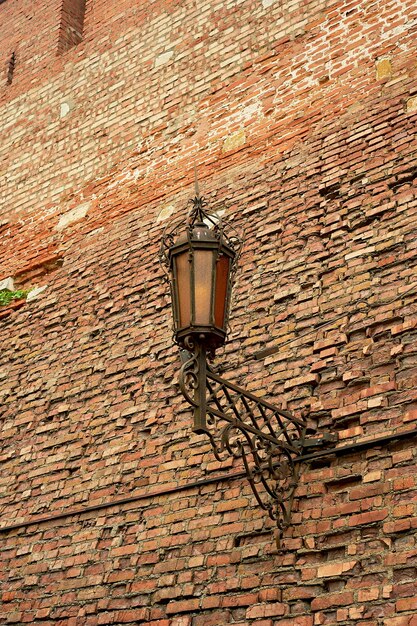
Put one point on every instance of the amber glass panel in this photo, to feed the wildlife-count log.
(222, 277)
(183, 278)
(203, 279)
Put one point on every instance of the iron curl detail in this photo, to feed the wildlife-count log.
(189, 379)
(269, 467)
(239, 424)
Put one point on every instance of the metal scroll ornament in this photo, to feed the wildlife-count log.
(238, 423)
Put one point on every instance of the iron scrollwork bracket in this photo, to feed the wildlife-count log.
(267, 439)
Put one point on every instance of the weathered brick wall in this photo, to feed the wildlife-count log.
(303, 121)
(31, 31)
(72, 24)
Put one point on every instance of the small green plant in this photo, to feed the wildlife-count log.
(6, 296)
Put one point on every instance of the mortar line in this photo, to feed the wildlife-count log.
(352, 448)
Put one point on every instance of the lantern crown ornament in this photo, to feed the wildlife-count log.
(200, 259)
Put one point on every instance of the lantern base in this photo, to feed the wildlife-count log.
(209, 336)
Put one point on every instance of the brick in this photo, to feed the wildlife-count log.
(7, 283)
(335, 569)
(311, 152)
(406, 604)
(234, 141)
(183, 606)
(297, 620)
(76, 214)
(330, 600)
(212, 619)
(266, 610)
(411, 104)
(35, 293)
(383, 68)
(368, 595)
(368, 518)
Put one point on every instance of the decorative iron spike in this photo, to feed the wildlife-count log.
(196, 185)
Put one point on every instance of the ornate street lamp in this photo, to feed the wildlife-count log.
(201, 260)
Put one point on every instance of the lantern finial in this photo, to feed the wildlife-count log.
(196, 185)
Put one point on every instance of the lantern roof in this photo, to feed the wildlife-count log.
(199, 216)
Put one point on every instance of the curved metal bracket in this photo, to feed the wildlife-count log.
(239, 423)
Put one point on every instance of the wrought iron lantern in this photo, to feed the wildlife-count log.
(200, 261)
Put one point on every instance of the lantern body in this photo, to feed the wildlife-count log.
(201, 269)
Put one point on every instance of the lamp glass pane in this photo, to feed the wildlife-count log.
(183, 284)
(203, 285)
(222, 277)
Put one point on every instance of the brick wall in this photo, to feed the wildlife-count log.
(71, 25)
(302, 119)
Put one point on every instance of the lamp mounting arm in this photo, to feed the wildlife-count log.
(238, 423)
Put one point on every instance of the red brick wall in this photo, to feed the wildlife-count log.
(71, 25)
(302, 120)
(30, 30)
